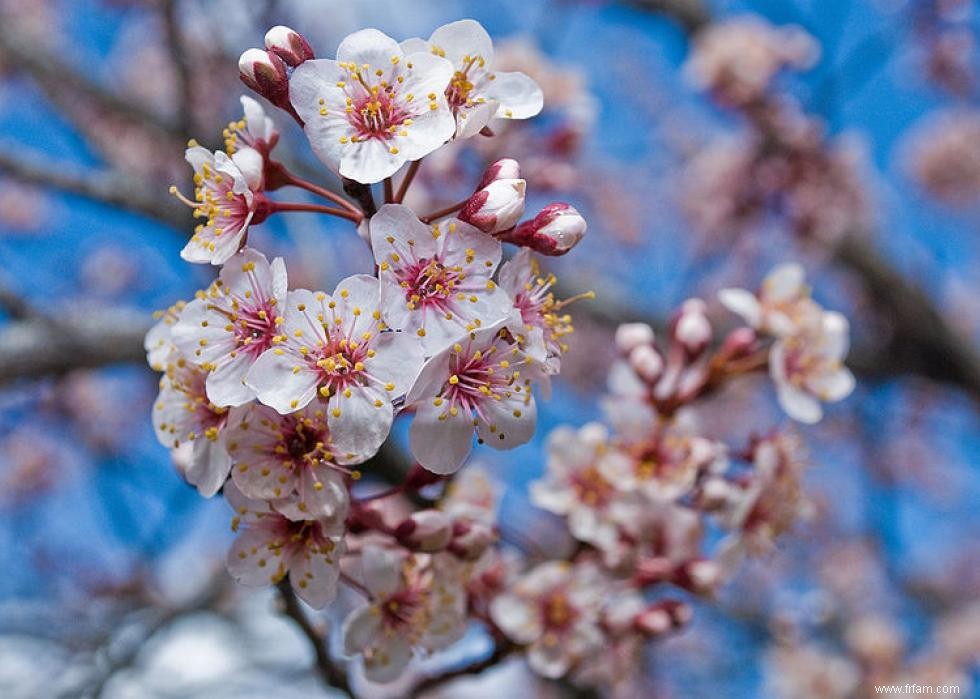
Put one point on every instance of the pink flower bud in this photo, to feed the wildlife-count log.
(289, 45)
(471, 539)
(691, 327)
(265, 73)
(739, 343)
(503, 169)
(647, 362)
(662, 616)
(496, 207)
(631, 335)
(554, 231)
(427, 531)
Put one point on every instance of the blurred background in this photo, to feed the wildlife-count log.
(704, 141)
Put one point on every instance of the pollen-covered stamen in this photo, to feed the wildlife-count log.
(591, 487)
(374, 104)
(463, 81)
(557, 611)
(429, 283)
(476, 377)
(206, 419)
(400, 611)
(539, 307)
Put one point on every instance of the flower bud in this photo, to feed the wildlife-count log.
(427, 531)
(471, 539)
(289, 45)
(503, 169)
(691, 327)
(662, 616)
(265, 73)
(556, 229)
(647, 362)
(496, 207)
(631, 335)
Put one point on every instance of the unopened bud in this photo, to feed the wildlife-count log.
(471, 539)
(631, 335)
(427, 531)
(739, 343)
(289, 45)
(691, 327)
(265, 73)
(662, 616)
(647, 362)
(496, 207)
(554, 231)
(503, 169)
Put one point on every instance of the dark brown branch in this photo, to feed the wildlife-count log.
(111, 188)
(51, 346)
(328, 671)
(181, 65)
(692, 15)
(500, 652)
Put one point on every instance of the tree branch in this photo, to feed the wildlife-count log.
(501, 650)
(328, 671)
(182, 67)
(105, 187)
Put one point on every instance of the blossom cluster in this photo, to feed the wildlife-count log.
(280, 399)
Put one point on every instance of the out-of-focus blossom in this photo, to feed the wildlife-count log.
(227, 193)
(334, 349)
(781, 306)
(738, 58)
(374, 108)
(476, 93)
(272, 546)
(436, 280)
(808, 367)
(228, 326)
(554, 609)
(482, 382)
(943, 155)
(413, 606)
(795, 671)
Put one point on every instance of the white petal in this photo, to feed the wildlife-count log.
(226, 384)
(743, 303)
(832, 386)
(381, 568)
(251, 561)
(363, 422)
(465, 37)
(784, 283)
(519, 96)
(471, 120)
(441, 446)
(368, 46)
(209, 467)
(313, 573)
(388, 661)
(548, 659)
(360, 629)
(278, 386)
(511, 421)
(516, 617)
(799, 405)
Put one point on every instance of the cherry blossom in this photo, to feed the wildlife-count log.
(270, 546)
(554, 610)
(374, 108)
(158, 342)
(290, 459)
(481, 382)
(412, 607)
(227, 193)
(256, 130)
(182, 413)
(228, 327)
(782, 304)
(808, 368)
(476, 93)
(436, 280)
(336, 350)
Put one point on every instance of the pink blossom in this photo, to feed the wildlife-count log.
(272, 546)
(374, 108)
(554, 610)
(256, 130)
(476, 94)
(943, 154)
(228, 195)
(436, 280)
(336, 350)
(482, 382)
(414, 605)
(781, 306)
(226, 328)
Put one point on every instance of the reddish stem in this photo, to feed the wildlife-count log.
(389, 191)
(295, 181)
(276, 207)
(444, 212)
(407, 181)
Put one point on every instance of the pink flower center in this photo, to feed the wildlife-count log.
(400, 610)
(255, 328)
(461, 85)
(340, 362)
(557, 612)
(474, 378)
(429, 283)
(591, 487)
(377, 114)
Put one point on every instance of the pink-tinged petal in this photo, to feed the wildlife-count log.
(244, 506)
(360, 628)
(401, 224)
(440, 445)
(278, 385)
(280, 280)
(200, 333)
(510, 421)
(472, 120)
(545, 495)
(251, 164)
(516, 617)
(209, 466)
(799, 405)
(519, 96)
(357, 298)
(314, 570)
(226, 384)
(322, 495)
(832, 385)
(784, 283)
(446, 627)
(251, 560)
(465, 37)
(381, 568)
(368, 46)
(389, 659)
(360, 423)
(742, 303)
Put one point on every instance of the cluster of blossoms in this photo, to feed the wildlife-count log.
(943, 155)
(277, 398)
(785, 163)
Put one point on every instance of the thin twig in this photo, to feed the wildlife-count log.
(328, 671)
(407, 181)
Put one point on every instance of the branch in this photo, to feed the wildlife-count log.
(501, 650)
(692, 15)
(328, 671)
(41, 345)
(105, 187)
(182, 68)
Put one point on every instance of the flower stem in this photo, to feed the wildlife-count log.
(319, 191)
(275, 207)
(409, 176)
(389, 193)
(444, 212)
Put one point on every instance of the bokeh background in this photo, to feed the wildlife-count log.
(112, 579)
